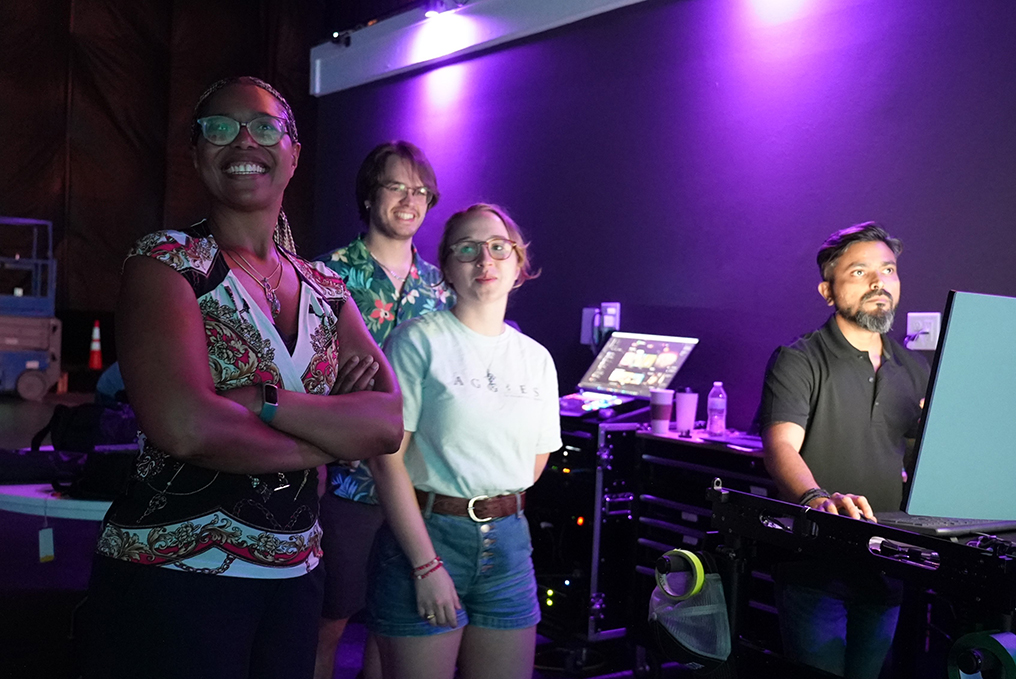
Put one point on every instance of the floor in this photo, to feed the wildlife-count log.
(347, 659)
(38, 601)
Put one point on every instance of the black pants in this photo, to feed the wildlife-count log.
(143, 621)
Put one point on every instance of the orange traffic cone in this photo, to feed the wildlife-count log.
(95, 351)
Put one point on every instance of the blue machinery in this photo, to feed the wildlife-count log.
(29, 332)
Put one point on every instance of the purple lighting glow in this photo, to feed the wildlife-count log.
(777, 11)
(441, 35)
(443, 86)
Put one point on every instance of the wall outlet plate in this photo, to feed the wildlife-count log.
(587, 333)
(610, 316)
(599, 322)
(923, 328)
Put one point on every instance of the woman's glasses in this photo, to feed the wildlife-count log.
(222, 130)
(470, 250)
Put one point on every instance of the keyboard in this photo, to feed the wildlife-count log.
(583, 403)
(943, 526)
(740, 439)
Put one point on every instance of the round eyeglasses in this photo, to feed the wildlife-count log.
(222, 130)
(470, 250)
(401, 190)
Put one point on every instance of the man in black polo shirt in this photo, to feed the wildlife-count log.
(838, 407)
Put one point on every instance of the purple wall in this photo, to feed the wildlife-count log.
(687, 158)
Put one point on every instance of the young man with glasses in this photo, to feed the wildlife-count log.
(390, 283)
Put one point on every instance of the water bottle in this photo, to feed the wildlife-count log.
(716, 411)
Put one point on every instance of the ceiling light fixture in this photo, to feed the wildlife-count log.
(433, 8)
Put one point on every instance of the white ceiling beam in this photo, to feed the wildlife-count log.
(409, 41)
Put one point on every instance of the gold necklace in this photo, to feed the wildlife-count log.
(264, 281)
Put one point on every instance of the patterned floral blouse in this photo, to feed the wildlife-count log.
(382, 309)
(177, 515)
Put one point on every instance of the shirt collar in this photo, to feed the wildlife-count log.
(845, 349)
(361, 245)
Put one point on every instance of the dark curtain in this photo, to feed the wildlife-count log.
(97, 102)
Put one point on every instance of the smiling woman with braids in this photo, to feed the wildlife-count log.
(231, 347)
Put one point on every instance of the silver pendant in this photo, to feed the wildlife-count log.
(273, 300)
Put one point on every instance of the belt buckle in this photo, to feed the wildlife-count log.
(470, 509)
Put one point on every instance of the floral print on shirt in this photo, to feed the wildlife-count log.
(382, 308)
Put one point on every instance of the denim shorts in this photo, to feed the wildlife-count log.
(490, 563)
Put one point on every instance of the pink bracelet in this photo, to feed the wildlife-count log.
(421, 576)
(427, 565)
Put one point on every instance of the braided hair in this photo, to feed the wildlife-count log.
(283, 234)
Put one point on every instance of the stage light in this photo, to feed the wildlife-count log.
(342, 38)
(580, 521)
(777, 11)
(433, 8)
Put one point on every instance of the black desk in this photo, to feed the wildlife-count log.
(968, 588)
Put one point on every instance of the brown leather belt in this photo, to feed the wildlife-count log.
(480, 508)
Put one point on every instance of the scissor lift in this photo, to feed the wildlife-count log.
(29, 332)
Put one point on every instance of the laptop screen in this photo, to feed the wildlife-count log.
(966, 449)
(632, 363)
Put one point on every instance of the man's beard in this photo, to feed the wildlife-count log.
(880, 320)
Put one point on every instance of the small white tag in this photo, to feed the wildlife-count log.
(689, 517)
(46, 545)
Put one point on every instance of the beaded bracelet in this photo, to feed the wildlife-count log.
(421, 576)
(422, 567)
(811, 494)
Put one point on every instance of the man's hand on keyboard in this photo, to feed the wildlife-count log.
(854, 506)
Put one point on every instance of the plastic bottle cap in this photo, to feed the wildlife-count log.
(717, 384)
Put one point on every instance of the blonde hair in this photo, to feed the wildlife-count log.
(444, 250)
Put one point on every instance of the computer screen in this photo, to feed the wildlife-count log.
(966, 449)
(632, 363)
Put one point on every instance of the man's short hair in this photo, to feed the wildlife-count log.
(370, 175)
(837, 243)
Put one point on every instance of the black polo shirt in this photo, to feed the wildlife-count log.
(856, 420)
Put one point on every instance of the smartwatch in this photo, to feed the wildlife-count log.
(269, 402)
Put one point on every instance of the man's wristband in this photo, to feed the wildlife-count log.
(811, 494)
(269, 402)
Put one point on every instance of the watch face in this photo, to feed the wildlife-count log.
(269, 402)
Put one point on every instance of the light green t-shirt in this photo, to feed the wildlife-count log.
(481, 408)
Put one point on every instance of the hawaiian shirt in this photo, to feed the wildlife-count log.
(382, 309)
